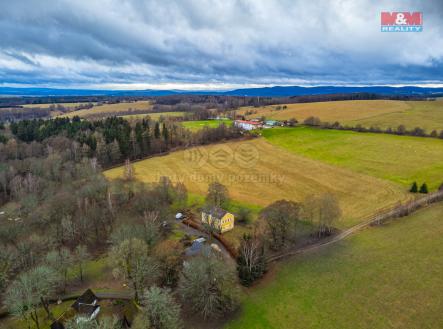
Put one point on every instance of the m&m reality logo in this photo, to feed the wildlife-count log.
(402, 21)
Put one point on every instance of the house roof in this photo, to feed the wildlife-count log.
(249, 122)
(87, 309)
(216, 212)
(57, 325)
(87, 298)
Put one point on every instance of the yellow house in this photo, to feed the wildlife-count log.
(219, 218)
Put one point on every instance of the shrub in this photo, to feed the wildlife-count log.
(401, 130)
(312, 121)
(414, 188)
(424, 188)
(243, 215)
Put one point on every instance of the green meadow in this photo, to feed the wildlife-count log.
(401, 159)
(200, 124)
(383, 277)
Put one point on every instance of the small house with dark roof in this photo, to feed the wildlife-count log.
(57, 325)
(86, 306)
(221, 219)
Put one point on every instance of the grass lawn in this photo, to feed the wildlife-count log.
(383, 277)
(401, 159)
(18, 323)
(381, 113)
(197, 125)
(93, 270)
(259, 173)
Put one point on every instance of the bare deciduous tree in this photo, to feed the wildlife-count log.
(132, 262)
(280, 220)
(30, 291)
(129, 172)
(209, 285)
(160, 309)
(251, 262)
(81, 257)
(323, 211)
(217, 195)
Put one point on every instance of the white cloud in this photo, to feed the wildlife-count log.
(212, 42)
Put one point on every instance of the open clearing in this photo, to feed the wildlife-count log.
(383, 277)
(109, 109)
(257, 172)
(153, 116)
(401, 159)
(381, 113)
(200, 124)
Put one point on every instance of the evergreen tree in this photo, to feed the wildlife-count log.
(139, 136)
(157, 130)
(165, 133)
(414, 188)
(146, 142)
(114, 152)
(424, 188)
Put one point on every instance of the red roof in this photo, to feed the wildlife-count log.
(249, 122)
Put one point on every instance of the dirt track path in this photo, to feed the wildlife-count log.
(388, 214)
(323, 243)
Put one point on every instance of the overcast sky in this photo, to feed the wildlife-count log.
(196, 44)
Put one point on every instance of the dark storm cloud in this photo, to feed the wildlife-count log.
(235, 42)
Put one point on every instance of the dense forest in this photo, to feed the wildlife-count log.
(112, 140)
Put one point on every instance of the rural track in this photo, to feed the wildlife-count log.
(128, 295)
(382, 215)
(318, 245)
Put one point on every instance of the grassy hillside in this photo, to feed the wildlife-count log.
(256, 172)
(384, 277)
(196, 125)
(381, 113)
(427, 115)
(401, 159)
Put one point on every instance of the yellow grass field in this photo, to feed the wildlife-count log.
(109, 109)
(256, 172)
(381, 113)
(153, 116)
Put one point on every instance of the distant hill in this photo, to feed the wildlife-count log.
(277, 91)
(322, 90)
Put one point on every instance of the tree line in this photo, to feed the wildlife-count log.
(114, 139)
(400, 130)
